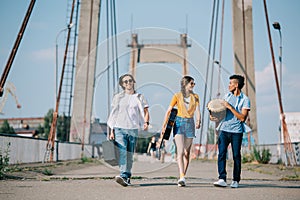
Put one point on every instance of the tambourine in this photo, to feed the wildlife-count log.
(216, 108)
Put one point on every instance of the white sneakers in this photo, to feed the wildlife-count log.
(234, 184)
(222, 183)
(181, 182)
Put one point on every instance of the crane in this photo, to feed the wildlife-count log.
(9, 89)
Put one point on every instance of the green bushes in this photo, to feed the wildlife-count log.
(4, 161)
(248, 158)
(262, 157)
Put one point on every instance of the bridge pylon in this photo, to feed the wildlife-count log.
(154, 51)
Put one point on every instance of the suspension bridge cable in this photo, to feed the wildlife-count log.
(207, 70)
(116, 41)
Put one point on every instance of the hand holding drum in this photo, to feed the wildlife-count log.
(216, 109)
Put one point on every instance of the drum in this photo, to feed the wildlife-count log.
(217, 109)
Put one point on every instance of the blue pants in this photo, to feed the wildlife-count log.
(225, 138)
(126, 141)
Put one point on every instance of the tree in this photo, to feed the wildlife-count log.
(6, 128)
(47, 123)
(41, 131)
(62, 126)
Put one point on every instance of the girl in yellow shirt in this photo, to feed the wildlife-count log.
(187, 103)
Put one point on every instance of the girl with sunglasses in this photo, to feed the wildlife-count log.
(187, 103)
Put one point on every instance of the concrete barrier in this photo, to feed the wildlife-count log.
(32, 150)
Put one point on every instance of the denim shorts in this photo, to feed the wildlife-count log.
(184, 126)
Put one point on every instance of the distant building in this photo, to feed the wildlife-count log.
(98, 132)
(27, 127)
(30, 132)
(292, 120)
(32, 122)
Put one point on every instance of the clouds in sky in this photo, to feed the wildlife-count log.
(268, 110)
(43, 55)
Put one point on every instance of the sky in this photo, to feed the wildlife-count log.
(33, 70)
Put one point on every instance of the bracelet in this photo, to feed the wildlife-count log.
(147, 123)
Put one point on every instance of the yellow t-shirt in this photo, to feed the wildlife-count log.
(182, 110)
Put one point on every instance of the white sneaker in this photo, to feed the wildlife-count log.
(181, 182)
(220, 183)
(234, 184)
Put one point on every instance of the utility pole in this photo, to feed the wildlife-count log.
(290, 154)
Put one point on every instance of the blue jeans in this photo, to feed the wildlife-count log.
(236, 142)
(126, 141)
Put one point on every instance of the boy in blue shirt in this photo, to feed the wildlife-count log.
(231, 129)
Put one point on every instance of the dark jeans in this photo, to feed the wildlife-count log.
(225, 138)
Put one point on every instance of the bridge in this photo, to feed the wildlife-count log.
(79, 67)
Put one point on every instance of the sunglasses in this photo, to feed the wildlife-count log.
(193, 83)
(128, 81)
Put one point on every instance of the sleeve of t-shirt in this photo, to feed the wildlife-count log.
(173, 101)
(197, 99)
(144, 101)
(114, 101)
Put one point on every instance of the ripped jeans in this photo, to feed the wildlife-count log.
(126, 142)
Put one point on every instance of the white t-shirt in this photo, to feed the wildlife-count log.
(130, 111)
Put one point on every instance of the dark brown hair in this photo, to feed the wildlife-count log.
(240, 79)
(121, 79)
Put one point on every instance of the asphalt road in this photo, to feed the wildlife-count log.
(151, 180)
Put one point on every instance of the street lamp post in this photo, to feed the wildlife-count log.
(276, 26)
(56, 59)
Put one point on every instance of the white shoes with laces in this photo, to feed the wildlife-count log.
(220, 183)
(234, 184)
